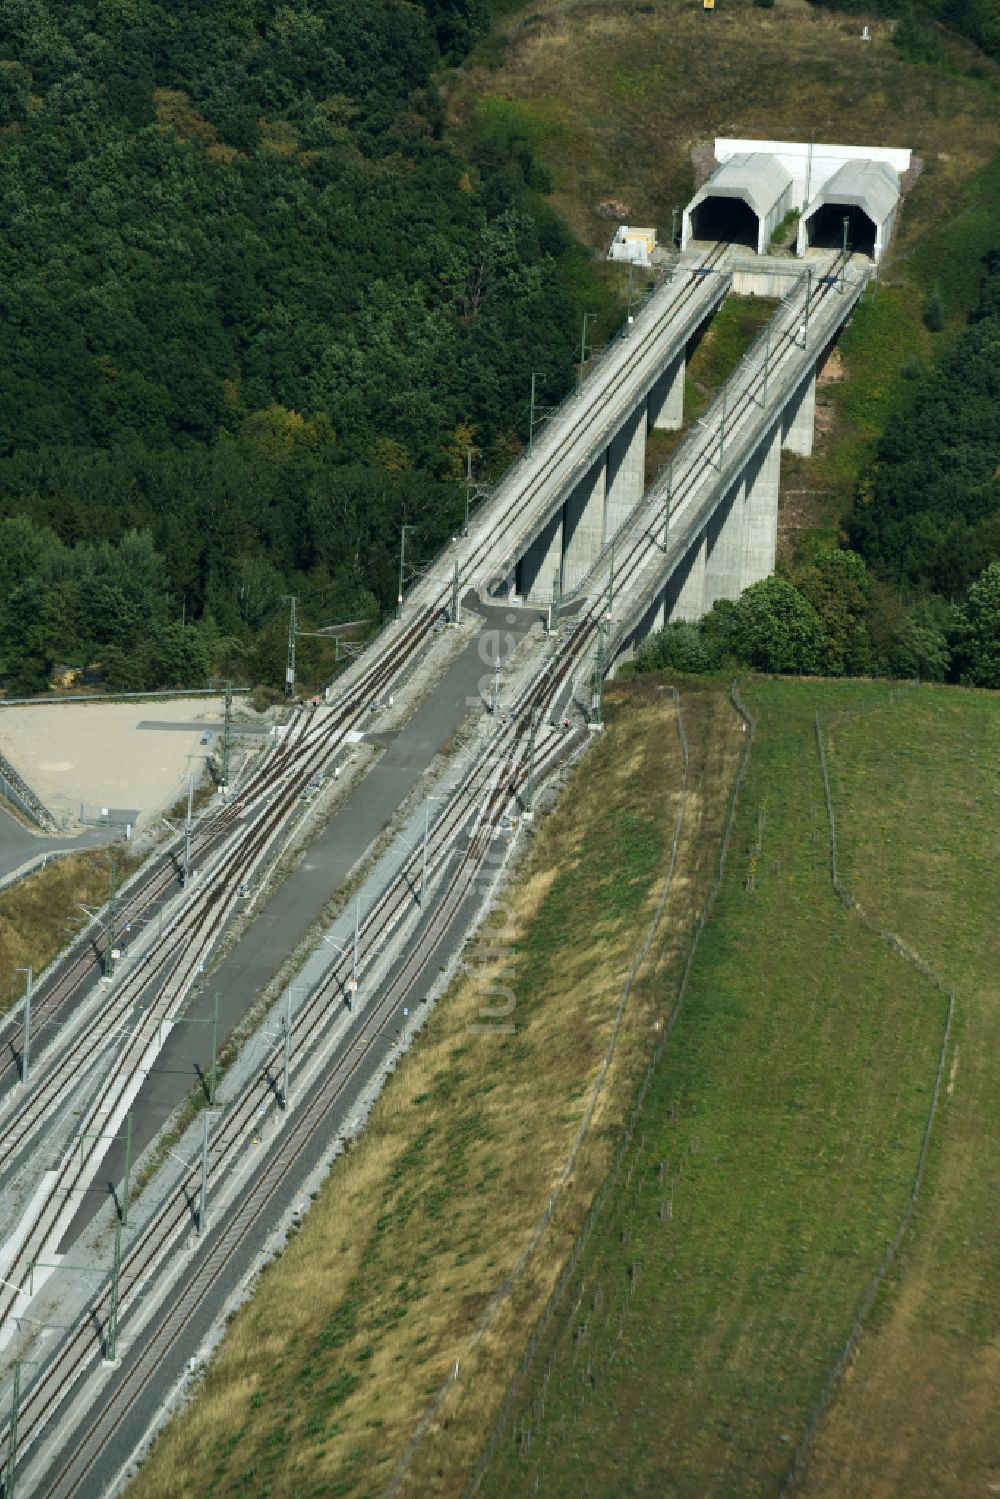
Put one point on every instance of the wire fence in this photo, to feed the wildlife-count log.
(115, 697)
(566, 1275)
(832, 1382)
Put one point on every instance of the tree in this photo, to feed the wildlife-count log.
(838, 585)
(681, 645)
(979, 648)
(921, 643)
(777, 629)
(178, 658)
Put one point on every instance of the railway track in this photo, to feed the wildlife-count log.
(494, 781)
(195, 938)
(491, 782)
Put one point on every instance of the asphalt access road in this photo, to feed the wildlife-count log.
(283, 918)
(18, 845)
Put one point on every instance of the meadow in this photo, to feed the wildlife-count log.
(778, 1144)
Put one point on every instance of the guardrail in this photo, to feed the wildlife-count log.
(115, 697)
(17, 790)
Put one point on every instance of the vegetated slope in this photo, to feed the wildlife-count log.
(612, 99)
(253, 304)
(323, 1378)
(777, 1146)
(917, 789)
(36, 912)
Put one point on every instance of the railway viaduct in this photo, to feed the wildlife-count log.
(713, 510)
(574, 514)
(575, 494)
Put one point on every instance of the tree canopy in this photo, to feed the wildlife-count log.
(252, 305)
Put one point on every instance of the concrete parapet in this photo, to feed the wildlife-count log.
(583, 524)
(772, 276)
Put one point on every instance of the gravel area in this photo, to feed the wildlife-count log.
(95, 754)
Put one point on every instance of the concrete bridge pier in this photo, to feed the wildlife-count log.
(799, 419)
(666, 399)
(583, 524)
(760, 533)
(686, 590)
(626, 472)
(541, 562)
(725, 545)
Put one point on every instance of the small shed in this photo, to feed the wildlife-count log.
(636, 245)
(866, 194)
(743, 202)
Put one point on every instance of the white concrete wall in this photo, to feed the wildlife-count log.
(773, 278)
(771, 220)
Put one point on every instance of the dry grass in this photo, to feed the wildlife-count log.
(39, 915)
(614, 99)
(323, 1377)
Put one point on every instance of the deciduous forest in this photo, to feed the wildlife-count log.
(254, 310)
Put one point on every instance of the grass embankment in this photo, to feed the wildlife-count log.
(39, 915)
(612, 99)
(324, 1376)
(918, 793)
(778, 1144)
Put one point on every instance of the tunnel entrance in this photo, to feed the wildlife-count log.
(725, 219)
(825, 229)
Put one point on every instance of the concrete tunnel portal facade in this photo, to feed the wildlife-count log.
(725, 219)
(825, 230)
(756, 184)
(742, 203)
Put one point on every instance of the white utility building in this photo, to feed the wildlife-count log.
(636, 245)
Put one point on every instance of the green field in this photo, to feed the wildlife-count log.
(777, 1147)
(918, 788)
